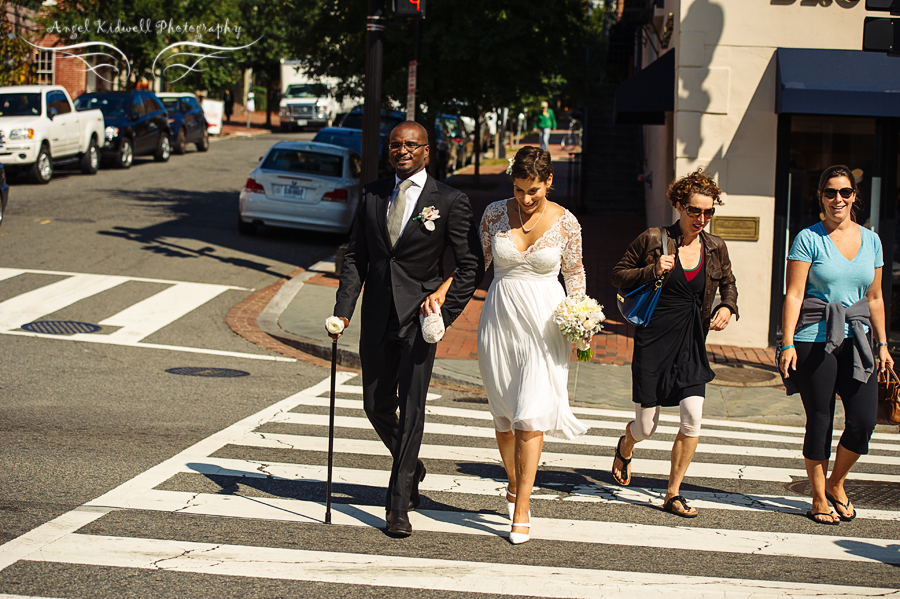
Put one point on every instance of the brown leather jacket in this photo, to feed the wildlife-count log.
(637, 267)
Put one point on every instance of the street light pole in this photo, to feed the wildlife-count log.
(371, 139)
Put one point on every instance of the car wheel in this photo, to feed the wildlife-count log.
(164, 149)
(246, 228)
(42, 170)
(126, 154)
(203, 144)
(90, 160)
(180, 144)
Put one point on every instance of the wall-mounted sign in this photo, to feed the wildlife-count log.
(736, 228)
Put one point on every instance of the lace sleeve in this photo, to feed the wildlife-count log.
(572, 265)
(486, 241)
(492, 222)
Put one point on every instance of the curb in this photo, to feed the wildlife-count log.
(256, 320)
(218, 138)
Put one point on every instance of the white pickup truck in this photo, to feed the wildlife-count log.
(41, 130)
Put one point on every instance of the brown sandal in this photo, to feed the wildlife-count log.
(626, 465)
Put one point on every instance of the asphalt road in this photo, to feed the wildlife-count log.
(121, 479)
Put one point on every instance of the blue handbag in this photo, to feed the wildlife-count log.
(637, 304)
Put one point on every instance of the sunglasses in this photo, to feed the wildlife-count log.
(829, 193)
(694, 212)
(409, 145)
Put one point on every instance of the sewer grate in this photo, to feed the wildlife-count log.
(60, 327)
(860, 492)
(209, 372)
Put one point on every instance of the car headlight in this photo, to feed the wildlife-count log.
(323, 112)
(111, 132)
(21, 134)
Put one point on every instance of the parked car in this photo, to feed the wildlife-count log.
(352, 138)
(136, 124)
(4, 193)
(186, 120)
(302, 185)
(40, 130)
(446, 152)
(460, 137)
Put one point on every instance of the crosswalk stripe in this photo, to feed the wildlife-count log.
(407, 572)
(643, 465)
(704, 447)
(152, 314)
(31, 305)
(8, 273)
(626, 534)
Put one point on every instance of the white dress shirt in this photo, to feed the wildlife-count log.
(412, 194)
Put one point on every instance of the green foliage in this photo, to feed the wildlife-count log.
(13, 52)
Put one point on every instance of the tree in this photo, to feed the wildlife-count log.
(479, 54)
(13, 51)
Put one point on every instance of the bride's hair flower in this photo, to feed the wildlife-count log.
(509, 167)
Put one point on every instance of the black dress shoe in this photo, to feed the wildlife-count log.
(414, 498)
(398, 523)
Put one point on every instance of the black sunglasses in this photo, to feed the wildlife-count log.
(694, 212)
(409, 145)
(829, 193)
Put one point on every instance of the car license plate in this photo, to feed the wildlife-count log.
(290, 191)
(300, 122)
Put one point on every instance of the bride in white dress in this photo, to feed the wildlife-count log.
(522, 355)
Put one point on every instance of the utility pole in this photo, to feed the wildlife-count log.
(371, 138)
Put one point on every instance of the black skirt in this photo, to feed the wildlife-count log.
(670, 361)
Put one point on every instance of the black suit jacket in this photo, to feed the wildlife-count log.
(413, 269)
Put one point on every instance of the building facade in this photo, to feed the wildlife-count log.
(764, 95)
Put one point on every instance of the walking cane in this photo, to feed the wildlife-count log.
(331, 431)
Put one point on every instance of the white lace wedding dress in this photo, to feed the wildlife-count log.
(522, 355)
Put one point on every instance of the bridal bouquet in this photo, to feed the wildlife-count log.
(579, 317)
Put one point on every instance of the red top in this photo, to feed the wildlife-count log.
(691, 274)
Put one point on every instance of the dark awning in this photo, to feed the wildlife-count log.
(837, 82)
(649, 95)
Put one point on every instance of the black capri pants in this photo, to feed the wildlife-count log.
(819, 376)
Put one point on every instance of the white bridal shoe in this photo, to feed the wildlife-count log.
(517, 538)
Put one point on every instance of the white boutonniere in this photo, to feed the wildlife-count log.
(428, 216)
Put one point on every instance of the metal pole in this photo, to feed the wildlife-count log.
(371, 138)
(331, 431)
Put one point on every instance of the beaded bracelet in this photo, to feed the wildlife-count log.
(787, 347)
(881, 345)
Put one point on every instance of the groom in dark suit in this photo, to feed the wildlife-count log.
(403, 226)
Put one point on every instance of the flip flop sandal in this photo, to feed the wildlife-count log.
(625, 465)
(846, 506)
(812, 516)
(670, 507)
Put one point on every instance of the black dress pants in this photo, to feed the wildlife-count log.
(396, 374)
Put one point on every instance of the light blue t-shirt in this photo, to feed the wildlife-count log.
(833, 278)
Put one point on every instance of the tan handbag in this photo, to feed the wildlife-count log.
(888, 397)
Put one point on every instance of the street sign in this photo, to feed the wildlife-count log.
(411, 92)
(409, 8)
(882, 34)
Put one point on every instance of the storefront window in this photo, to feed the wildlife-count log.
(819, 142)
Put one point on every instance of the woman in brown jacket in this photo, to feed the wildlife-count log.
(670, 366)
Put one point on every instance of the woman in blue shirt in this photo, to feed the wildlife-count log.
(832, 308)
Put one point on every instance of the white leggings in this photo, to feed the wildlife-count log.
(646, 419)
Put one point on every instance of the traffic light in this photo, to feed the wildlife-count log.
(409, 8)
(882, 34)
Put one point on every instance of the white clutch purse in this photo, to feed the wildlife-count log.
(432, 326)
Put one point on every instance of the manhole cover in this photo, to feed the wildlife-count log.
(60, 327)
(741, 375)
(860, 491)
(211, 372)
